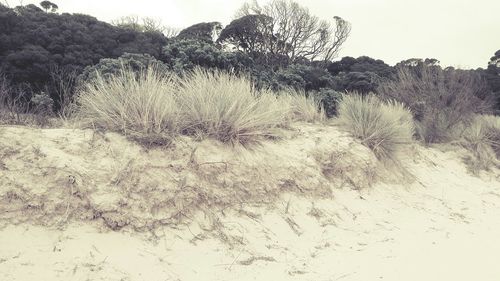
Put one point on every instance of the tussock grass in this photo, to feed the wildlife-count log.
(152, 106)
(142, 105)
(302, 107)
(382, 126)
(482, 138)
(228, 108)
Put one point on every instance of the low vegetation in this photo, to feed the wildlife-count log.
(382, 126)
(154, 106)
(228, 108)
(439, 99)
(482, 138)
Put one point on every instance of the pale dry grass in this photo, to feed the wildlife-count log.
(302, 107)
(141, 105)
(482, 138)
(382, 126)
(153, 106)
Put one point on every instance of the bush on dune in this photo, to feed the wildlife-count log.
(154, 106)
(228, 108)
(439, 99)
(382, 126)
(139, 104)
(482, 138)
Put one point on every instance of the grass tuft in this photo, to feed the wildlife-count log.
(383, 127)
(153, 107)
(139, 104)
(482, 138)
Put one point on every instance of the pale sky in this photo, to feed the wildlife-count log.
(460, 33)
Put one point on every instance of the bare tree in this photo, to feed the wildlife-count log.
(145, 24)
(299, 34)
(153, 25)
(170, 32)
(63, 83)
(13, 102)
(131, 22)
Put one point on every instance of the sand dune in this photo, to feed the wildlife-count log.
(317, 205)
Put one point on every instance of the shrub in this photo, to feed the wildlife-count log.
(329, 100)
(228, 108)
(482, 138)
(383, 127)
(108, 67)
(139, 104)
(439, 99)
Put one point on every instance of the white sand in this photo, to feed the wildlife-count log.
(442, 225)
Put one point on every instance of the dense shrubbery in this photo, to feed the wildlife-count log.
(107, 67)
(439, 99)
(382, 126)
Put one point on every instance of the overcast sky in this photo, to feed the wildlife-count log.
(460, 33)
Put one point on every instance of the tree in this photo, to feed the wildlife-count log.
(34, 42)
(46, 5)
(298, 34)
(204, 31)
(492, 77)
(250, 33)
(183, 55)
(135, 23)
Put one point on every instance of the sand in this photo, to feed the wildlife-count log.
(78, 205)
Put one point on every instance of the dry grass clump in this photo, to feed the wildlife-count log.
(153, 106)
(383, 127)
(142, 105)
(439, 99)
(228, 108)
(302, 107)
(482, 138)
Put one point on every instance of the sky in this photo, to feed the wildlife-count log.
(459, 33)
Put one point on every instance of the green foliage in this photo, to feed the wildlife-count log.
(329, 100)
(250, 33)
(109, 67)
(34, 41)
(185, 55)
(304, 77)
(383, 127)
(362, 82)
(361, 64)
(46, 5)
(204, 31)
(363, 74)
(492, 77)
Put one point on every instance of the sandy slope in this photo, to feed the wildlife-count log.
(287, 210)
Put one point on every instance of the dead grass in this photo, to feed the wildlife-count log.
(228, 108)
(482, 138)
(140, 105)
(303, 108)
(154, 107)
(384, 127)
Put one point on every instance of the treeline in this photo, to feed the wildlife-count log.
(40, 49)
